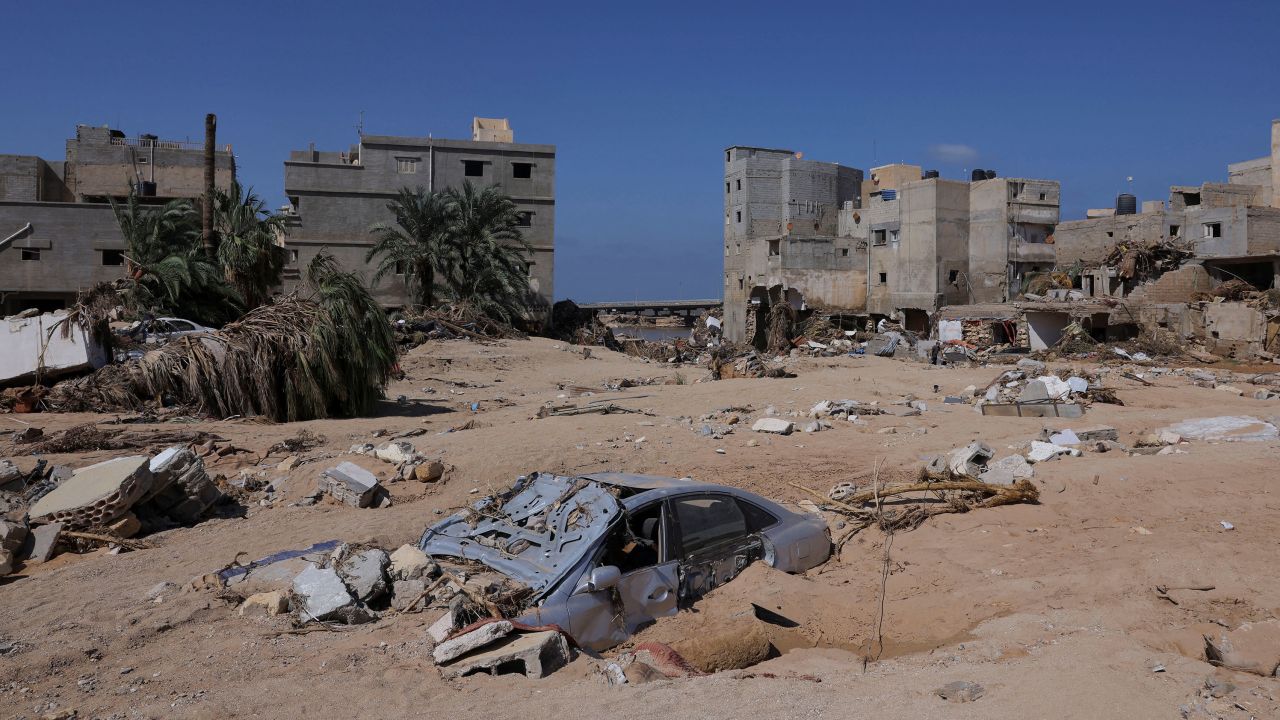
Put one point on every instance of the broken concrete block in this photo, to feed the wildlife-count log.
(1095, 433)
(1057, 388)
(1007, 471)
(1035, 391)
(365, 574)
(444, 626)
(539, 654)
(44, 542)
(322, 593)
(1168, 437)
(408, 562)
(404, 592)
(351, 484)
(9, 473)
(1041, 451)
(478, 638)
(429, 471)
(777, 426)
(288, 463)
(1031, 367)
(810, 427)
(1226, 428)
(1078, 384)
(125, 526)
(960, 691)
(396, 453)
(266, 603)
(95, 494)
(1231, 389)
(12, 533)
(969, 460)
(1064, 437)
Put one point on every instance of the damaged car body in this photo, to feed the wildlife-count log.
(602, 555)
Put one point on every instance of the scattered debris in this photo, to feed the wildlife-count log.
(960, 691)
(1226, 428)
(351, 484)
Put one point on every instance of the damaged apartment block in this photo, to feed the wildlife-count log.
(902, 243)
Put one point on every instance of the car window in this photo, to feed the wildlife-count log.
(638, 542)
(757, 517)
(183, 325)
(708, 520)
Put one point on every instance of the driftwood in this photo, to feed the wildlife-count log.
(111, 539)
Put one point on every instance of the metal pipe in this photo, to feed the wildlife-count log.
(5, 243)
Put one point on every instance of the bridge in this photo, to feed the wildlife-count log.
(688, 308)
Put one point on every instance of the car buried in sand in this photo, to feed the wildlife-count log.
(602, 555)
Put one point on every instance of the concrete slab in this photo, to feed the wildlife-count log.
(321, 593)
(777, 426)
(351, 484)
(96, 494)
(463, 644)
(44, 542)
(365, 574)
(536, 654)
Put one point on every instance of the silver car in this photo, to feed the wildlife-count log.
(604, 554)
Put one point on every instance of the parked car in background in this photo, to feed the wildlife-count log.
(161, 330)
(604, 554)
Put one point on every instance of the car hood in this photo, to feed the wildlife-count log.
(534, 533)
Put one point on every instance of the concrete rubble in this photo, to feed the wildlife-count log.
(970, 460)
(351, 484)
(12, 536)
(1044, 451)
(456, 647)
(364, 573)
(777, 426)
(1007, 471)
(536, 654)
(323, 596)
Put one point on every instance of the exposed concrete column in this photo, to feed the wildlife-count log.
(1275, 163)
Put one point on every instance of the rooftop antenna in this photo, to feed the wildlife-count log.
(360, 125)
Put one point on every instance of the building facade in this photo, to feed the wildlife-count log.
(58, 233)
(902, 244)
(335, 198)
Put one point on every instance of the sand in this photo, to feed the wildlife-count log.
(1050, 607)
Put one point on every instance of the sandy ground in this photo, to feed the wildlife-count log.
(1049, 607)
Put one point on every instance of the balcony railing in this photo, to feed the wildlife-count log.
(158, 144)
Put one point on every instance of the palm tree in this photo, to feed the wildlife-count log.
(490, 271)
(167, 271)
(249, 252)
(417, 245)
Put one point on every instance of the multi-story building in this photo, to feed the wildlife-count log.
(781, 240)
(58, 234)
(1232, 228)
(335, 198)
(1011, 233)
(903, 244)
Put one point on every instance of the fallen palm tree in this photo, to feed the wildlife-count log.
(300, 358)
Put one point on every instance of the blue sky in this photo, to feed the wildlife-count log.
(641, 98)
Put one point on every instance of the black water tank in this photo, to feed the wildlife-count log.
(930, 174)
(991, 174)
(1126, 204)
(978, 174)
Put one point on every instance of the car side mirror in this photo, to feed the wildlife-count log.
(601, 578)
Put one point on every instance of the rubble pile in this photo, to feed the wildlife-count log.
(1144, 260)
(572, 324)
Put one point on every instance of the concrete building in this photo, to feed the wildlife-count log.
(781, 239)
(1011, 234)
(58, 234)
(904, 243)
(335, 198)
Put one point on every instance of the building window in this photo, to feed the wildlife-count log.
(1213, 230)
(878, 237)
(775, 248)
(844, 252)
(884, 278)
(407, 166)
(112, 258)
(524, 219)
(142, 160)
(1191, 198)
(726, 189)
(740, 284)
(400, 267)
(522, 171)
(1110, 234)
(293, 257)
(1175, 231)
(739, 181)
(726, 156)
(893, 236)
(737, 248)
(726, 250)
(30, 254)
(473, 168)
(951, 276)
(1044, 196)
(739, 215)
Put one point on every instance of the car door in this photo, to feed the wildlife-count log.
(649, 584)
(715, 542)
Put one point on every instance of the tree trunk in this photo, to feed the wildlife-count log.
(206, 210)
(429, 286)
